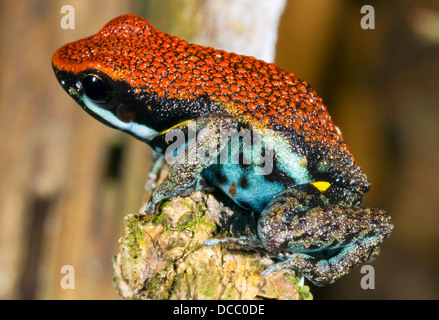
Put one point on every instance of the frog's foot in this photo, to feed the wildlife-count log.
(326, 251)
(246, 243)
(159, 195)
(323, 242)
(178, 183)
(150, 209)
(320, 271)
(168, 190)
(154, 173)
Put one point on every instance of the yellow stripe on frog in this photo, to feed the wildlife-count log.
(176, 126)
(321, 185)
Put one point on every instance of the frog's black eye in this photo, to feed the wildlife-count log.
(97, 87)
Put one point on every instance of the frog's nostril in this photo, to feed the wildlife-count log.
(60, 76)
(56, 71)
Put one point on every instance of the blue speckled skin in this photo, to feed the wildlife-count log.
(256, 193)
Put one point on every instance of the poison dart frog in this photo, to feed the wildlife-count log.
(136, 79)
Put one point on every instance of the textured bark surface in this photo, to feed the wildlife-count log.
(164, 257)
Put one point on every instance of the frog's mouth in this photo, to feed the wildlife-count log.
(116, 115)
(140, 131)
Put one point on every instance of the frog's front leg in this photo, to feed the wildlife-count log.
(322, 240)
(185, 175)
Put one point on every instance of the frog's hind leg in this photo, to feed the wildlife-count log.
(324, 271)
(322, 241)
(308, 233)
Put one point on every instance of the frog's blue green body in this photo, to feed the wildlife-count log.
(248, 190)
(149, 84)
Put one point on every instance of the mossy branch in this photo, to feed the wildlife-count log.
(164, 257)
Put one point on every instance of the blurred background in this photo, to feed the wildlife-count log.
(67, 181)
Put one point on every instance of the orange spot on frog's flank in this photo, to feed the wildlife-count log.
(232, 190)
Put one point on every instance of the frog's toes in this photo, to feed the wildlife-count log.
(274, 267)
(266, 271)
(150, 208)
(246, 243)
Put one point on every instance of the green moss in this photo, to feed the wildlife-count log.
(195, 222)
(191, 219)
(134, 238)
(208, 290)
(201, 207)
(152, 291)
(163, 204)
(159, 219)
(303, 291)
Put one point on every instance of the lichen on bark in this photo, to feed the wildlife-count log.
(164, 257)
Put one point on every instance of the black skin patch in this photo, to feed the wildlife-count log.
(243, 182)
(221, 178)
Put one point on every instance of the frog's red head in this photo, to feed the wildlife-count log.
(126, 75)
(113, 74)
(114, 50)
